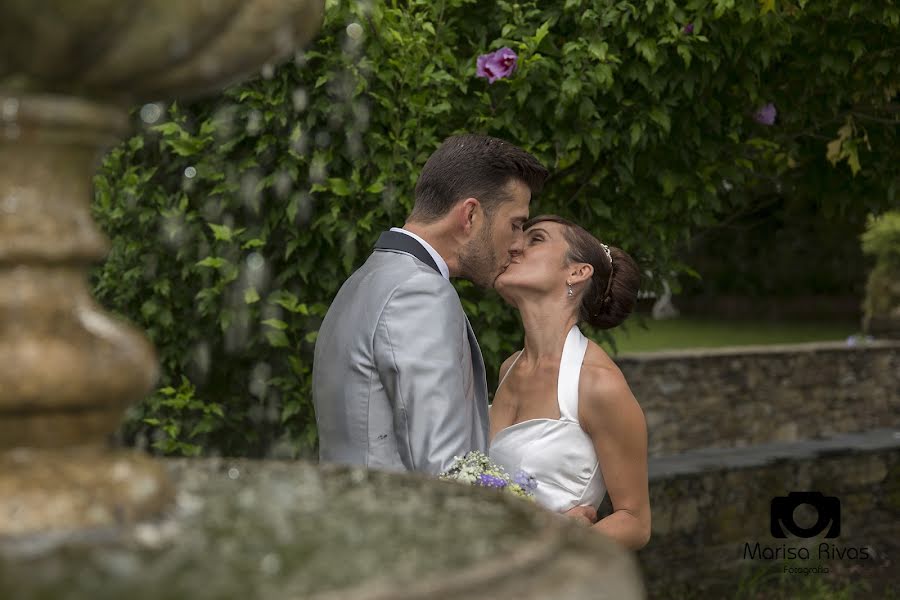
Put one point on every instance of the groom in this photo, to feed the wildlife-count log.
(398, 377)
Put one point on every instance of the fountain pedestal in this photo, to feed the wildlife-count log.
(68, 370)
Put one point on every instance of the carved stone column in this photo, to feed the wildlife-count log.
(68, 370)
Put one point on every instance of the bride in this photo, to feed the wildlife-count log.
(563, 411)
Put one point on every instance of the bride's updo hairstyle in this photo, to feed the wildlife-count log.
(611, 292)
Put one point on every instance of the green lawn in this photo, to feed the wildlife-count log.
(643, 334)
(773, 582)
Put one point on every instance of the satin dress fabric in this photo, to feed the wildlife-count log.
(556, 452)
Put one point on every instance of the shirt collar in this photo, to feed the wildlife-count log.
(439, 261)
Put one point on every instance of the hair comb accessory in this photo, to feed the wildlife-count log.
(607, 296)
(608, 253)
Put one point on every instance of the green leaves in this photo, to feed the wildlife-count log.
(221, 232)
(277, 338)
(845, 147)
(647, 49)
(213, 262)
(180, 140)
(251, 296)
(338, 187)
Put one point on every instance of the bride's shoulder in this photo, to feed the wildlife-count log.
(606, 405)
(601, 380)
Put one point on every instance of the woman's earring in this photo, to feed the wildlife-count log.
(571, 293)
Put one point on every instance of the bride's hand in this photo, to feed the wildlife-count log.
(584, 515)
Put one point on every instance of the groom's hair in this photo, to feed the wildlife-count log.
(473, 166)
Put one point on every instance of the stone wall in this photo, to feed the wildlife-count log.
(736, 397)
(708, 504)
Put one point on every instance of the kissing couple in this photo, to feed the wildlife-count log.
(398, 377)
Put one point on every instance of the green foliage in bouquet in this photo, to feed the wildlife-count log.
(234, 220)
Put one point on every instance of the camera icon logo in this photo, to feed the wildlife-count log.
(782, 514)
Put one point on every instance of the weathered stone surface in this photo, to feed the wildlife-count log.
(736, 397)
(44, 491)
(272, 530)
(68, 371)
(146, 50)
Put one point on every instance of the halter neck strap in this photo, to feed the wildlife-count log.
(569, 374)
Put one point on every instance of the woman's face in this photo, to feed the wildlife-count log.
(541, 267)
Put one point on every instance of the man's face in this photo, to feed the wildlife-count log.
(499, 239)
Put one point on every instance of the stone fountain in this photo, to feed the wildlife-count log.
(80, 520)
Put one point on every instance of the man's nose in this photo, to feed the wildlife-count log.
(518, 245)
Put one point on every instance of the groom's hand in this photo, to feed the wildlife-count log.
(584, 515)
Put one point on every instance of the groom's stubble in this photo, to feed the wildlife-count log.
(478, 260)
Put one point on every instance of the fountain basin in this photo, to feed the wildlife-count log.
(269, 529)
(149, 49)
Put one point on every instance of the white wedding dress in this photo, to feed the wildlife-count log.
(557, 452)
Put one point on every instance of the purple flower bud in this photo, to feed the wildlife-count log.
(496, 65)
(688, 29)
(766, 115)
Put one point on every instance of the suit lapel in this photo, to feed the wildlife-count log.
(478, 372)
(391, 240)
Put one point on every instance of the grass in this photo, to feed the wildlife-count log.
(643, 334)
(773, 583)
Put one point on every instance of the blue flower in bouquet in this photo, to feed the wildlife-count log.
(488, 480)
(526, 481)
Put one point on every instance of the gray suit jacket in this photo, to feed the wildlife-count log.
(398, 377)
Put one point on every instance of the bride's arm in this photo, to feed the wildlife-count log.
(612, 417)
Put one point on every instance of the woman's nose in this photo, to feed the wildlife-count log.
(518, 245)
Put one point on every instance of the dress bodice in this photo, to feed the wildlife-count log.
(557, 452)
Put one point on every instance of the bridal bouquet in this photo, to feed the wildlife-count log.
(476, 468)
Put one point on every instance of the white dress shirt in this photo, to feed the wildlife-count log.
(438, 260)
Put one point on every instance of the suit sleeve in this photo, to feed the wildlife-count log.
(419, 357)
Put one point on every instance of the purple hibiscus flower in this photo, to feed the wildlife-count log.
(766, 115)
(496, 65)
(688, 29)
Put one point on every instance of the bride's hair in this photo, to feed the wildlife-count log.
(611, 291)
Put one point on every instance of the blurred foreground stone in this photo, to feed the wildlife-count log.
(68, 371)
(272, 530)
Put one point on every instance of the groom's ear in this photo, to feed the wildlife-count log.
(469, 210)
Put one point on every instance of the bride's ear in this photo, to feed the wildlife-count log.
(581, 272)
